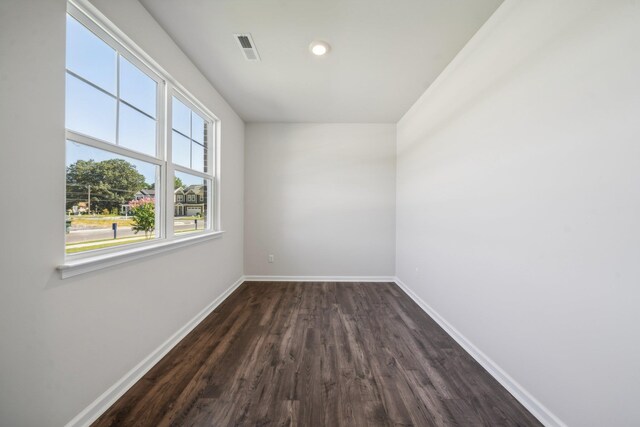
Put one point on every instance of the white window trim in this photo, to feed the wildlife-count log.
(79, 263)
(132, 252)
(212, 152)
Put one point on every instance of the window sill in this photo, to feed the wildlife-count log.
(84, 265)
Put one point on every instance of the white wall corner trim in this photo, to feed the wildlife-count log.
(544, 415)
(376, 279)
(109, 397)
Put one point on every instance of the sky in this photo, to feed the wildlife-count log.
(91, 107)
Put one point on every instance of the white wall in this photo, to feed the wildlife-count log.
(320, 198)
(518, 202)
(64, 342)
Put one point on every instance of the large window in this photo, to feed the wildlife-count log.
(132, 176)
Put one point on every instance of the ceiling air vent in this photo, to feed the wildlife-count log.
(247, 46)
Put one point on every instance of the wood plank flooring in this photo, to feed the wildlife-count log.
(317, 354)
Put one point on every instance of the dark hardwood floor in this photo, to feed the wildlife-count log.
(317, 354)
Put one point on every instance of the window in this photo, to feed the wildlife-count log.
(120, 167)
(190, 135)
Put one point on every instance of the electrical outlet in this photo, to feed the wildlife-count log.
(271, 258)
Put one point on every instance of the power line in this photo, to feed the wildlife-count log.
(108, 188)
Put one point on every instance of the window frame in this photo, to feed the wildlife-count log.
(166, 88)
(212, 156)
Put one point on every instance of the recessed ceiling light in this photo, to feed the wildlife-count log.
(319, 47)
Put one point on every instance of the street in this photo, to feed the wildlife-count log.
(91, 234)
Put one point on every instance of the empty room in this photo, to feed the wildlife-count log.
(320, 213)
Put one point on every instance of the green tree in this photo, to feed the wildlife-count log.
(110, 183)
(177, 182)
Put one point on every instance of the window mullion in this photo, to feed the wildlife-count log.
(107, 146)
(169, 179)
(162, 195)
(214, 169)
(90, 83)
(191, 139)
(137, 109)
(117, 98)
(199, 174)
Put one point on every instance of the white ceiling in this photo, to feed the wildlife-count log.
(385, 53)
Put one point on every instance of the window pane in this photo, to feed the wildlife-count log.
(181, 117)
(180, 150)
(137, 88)
(136, 131)
(90, 111)
(90, 57)
(105, 189)
(197, 157)
(190, 203)
(197, 128)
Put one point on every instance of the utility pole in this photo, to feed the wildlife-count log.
(88, 199)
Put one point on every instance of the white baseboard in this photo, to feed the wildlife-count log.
(109, 397)
(544, 415)
(319, 278)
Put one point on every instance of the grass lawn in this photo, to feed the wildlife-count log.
(82, 242)
(96, 246)
(85, 222)
(107, 243)
(191, 230)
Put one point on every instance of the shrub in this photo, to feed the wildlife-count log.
(143, 214)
